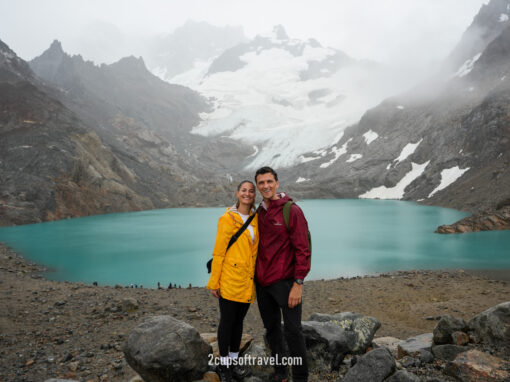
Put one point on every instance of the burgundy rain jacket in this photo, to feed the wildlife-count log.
(283, 254)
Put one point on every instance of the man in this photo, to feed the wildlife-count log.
(283, 261)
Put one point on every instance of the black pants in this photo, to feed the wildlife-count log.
(230, 329)
(273, 302)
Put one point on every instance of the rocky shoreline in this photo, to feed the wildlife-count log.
(76, 331)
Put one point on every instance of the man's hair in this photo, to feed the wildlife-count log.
(265, 170)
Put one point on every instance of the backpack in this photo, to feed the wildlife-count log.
(286, 218)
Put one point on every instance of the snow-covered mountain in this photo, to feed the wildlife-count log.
(191, 44)
(284, 96)
(444, 142)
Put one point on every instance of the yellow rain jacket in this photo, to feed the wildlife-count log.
(233, 272)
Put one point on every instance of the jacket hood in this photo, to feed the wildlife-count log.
(282, 199)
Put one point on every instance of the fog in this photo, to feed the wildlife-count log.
(416, 33)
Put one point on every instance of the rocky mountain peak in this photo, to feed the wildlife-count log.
(12, 68)
(279, 33)
(490, 21)
(130, 64)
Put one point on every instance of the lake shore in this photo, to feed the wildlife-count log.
(73, 330)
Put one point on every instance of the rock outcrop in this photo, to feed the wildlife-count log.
(162, 348)
(491, 220)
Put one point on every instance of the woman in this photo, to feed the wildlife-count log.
(232, 276)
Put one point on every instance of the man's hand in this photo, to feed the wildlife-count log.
(295, 295)
(215, 293)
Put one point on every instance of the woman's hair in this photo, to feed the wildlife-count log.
(243, 182)
(239, 187)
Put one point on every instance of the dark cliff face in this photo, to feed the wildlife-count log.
(59, 160)
(52, 165)
(457, 124)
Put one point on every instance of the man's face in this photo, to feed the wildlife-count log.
(267, 186)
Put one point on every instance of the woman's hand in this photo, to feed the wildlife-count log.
(215, 293)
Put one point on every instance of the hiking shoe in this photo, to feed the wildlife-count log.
(239, 372)
(225, 373)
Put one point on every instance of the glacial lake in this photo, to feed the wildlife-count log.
(350, 238)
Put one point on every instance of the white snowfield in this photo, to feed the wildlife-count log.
(449, 176)
(467, 66)
(370, 136)
(503, 17)
(408, 149)
(300, 180)
(398, 191)
(354, 157)
(266, 104)
(338, 153)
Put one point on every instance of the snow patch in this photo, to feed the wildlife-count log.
(448, 176)
(408, 149)
(256, 151)
(467, 66)
(370, 136)
(503, 17)
(354, 157)
(302, 180)
(400, 107)
(388, 166)
(471, 88)
(503, 78)
(338, 153)
(244, 109)
(398, 191)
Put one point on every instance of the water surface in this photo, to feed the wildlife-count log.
(350, 237)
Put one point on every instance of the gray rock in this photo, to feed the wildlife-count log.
(364, 327)
(492, 325)
(129, 304)
(327, 343)
(426, 356)
(391, 343)
(60, 380)
(374, 366)
(403, 376)
(251, 356)
(446, 326)
(163, 348)
(447, 352)
(413, 345)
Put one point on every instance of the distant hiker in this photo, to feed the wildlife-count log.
(170, 286)
(283, 261)
(175, 285)
(189, 286)
(232, 273)
(159, 285)
(94, 283)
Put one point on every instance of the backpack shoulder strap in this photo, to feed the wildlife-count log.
(286, 213)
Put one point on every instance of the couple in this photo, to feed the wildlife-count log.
(270, 258)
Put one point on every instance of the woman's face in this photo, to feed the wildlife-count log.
(246, 194)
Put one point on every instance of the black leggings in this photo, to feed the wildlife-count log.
(230, 329)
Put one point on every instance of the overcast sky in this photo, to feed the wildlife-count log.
(382, 30)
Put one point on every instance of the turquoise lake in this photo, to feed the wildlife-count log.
(350, 237)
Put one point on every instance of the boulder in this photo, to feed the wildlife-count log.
(460, 338)
(374, 366)
(251, 359)
(446, 326)
(447, 352)
(128, 304)
(391, 343)
(327, 344)
(414, 345)
(163, 348)
(364, 327)
(403, 376)
(475, 366)
(493, 325)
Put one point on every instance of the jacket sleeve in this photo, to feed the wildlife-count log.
(298, 227)
(223, 235)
